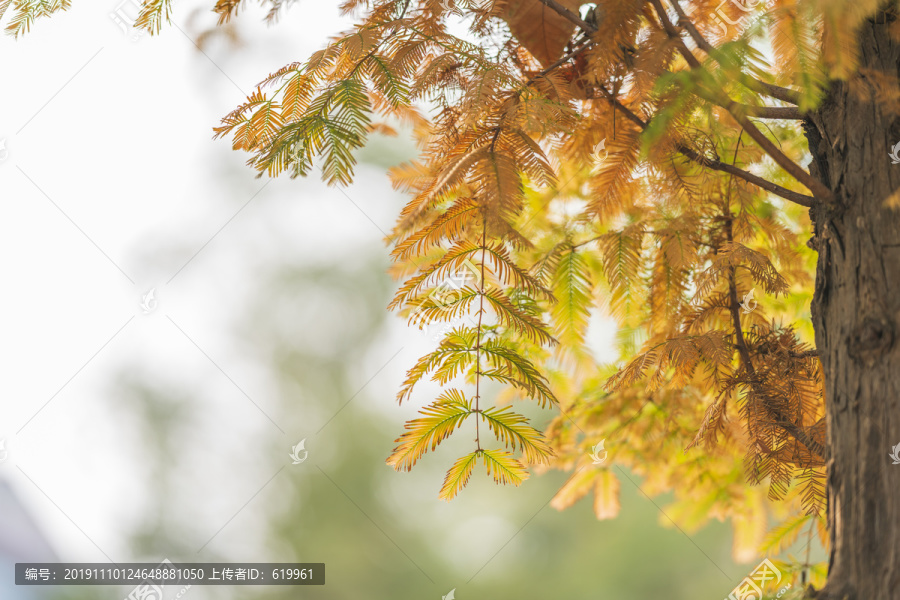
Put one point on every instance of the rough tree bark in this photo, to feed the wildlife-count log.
(856, 311)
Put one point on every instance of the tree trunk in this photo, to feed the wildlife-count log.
(856, 311)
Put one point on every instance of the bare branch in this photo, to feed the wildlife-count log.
(772, 112)
(565, 12)
(819, 189)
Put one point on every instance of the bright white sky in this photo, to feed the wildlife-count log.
(111, 163)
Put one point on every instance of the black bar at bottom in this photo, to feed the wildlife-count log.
(168, 573)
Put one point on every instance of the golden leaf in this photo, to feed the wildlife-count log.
(606, 495)
(539, 28)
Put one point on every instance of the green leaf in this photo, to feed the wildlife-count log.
(458, 476)
(514, 368)
(571, 287)
(784, 535)
(510, 315)
(513, 430)
(504, 467)
(443, 416)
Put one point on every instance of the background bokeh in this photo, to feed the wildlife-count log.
(134, 436)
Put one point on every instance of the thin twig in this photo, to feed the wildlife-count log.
(478, 342)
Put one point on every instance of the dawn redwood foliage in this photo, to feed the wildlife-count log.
(642, 159)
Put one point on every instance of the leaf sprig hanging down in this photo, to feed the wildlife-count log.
(26, 12)
(463, 208)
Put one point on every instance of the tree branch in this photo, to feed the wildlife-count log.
(797, 198)
(565, 12)
(772, 112)
(782, 420)
(768, 89)
(819, 189)
(763, 112)
(777, 92)
(673, 34)
(738, 111)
